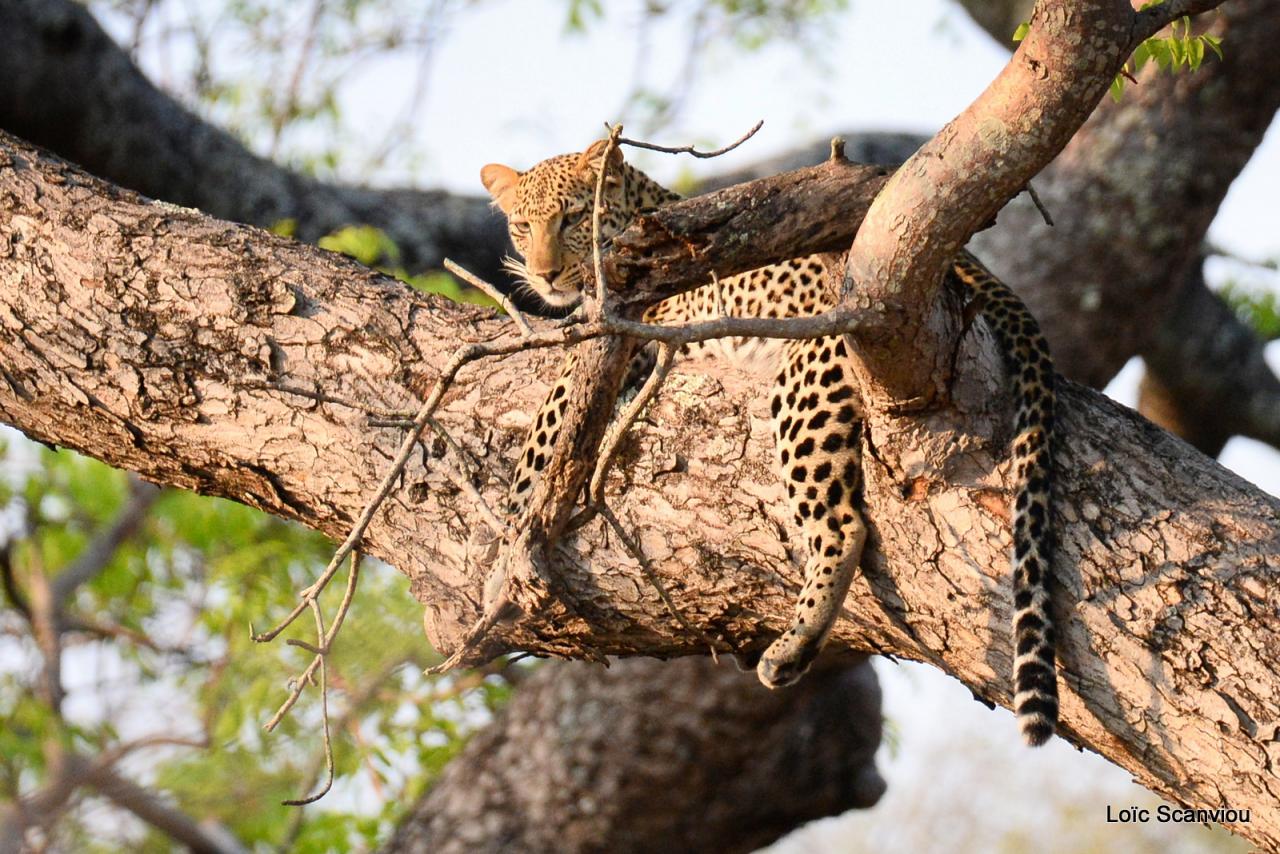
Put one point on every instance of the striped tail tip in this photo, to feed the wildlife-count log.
(1037, 712)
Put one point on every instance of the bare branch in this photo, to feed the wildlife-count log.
(1151, 19)
(689, 149)
(498, 296)
(321, 656)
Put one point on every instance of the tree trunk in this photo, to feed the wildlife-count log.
(684, 753)
(135, 332)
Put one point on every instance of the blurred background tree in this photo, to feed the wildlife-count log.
(124, 652)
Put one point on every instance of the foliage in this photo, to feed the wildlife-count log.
(309, 59)
(1258, 308)
(373, 248)
(178, 599)
(1181, 48)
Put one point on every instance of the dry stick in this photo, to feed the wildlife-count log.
(689, 149)
(320, 651)
(495, 294)
(461, 357)
(595, 492)
(402, 421)
(1035, 200)
(324, 397)
(324, 707)
(609, 448)
(477, 632)
(597, 206)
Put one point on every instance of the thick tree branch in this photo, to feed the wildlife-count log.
(1207, 374)
(69, 87)
(816, 209)
(131, 331)
(1133, 195)
(574, 729)
(962, 177)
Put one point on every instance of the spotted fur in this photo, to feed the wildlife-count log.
(817, 425)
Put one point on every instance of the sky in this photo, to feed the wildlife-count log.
(509, 86)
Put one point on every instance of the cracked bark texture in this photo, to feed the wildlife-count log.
(1119, 274)
(574, 725)
(128, 330)
(1132, 197)
(197, 174)
(70, 88)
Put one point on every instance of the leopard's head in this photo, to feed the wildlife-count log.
(548, 211)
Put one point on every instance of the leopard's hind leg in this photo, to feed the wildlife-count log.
(818, 429)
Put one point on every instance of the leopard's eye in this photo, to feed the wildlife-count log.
(572, 219)
(520, 228)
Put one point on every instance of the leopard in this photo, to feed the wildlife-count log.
(814, 404)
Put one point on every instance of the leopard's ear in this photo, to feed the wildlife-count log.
(501, 182)
(589, 160)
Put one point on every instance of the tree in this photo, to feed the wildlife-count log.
(279, 483)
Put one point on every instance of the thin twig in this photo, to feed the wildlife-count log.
(613, 439)
(398, 420)
(356, 701)
(597, 252)
(461, 356)
(1222, 252)
(324, 710)
(477, 632)
(324, 641)
(496, 295)
(324, 397)
(1035, 200)
(295, 691)
(689, 149)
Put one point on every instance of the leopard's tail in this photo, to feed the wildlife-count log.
(1026, 353)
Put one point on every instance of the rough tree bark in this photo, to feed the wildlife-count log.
(1118, 274)
(130, 329)
(664, 723)
(73, 89)
(1056, 210)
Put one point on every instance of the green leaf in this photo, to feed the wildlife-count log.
(1117, 88)
(366, 244)
(444, 285)
(1021, 32)
(1141, 56)
(1195, 53)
